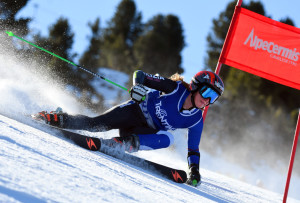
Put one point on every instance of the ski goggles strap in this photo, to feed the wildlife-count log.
(207, 92)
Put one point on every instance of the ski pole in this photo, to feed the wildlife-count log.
(70, 62)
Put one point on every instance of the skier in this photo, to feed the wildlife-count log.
(144, 122)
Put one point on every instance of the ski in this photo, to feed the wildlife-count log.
(94, 144)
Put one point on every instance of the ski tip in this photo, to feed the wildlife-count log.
(34, 116)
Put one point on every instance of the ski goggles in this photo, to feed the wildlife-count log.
(207, 92)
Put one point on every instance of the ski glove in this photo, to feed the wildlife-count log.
(195, 177)
(53, 118)
(138, 93)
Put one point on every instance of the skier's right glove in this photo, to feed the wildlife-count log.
(195, 177)
(138, 93)
(53, 118)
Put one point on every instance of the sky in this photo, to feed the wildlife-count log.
(195, 16)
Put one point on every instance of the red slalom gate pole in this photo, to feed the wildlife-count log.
(292, 159)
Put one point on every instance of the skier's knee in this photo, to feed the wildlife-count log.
(169, 135)
(162, 139)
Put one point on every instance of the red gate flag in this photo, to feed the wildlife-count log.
(263, 47)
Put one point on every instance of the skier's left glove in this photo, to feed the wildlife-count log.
(138, 93)
(53, 118)
(195, 177)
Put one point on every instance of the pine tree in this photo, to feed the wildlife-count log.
(91, 60)
(91, 57)
(158, 49)
(8, 20)
(59, 41)
(119, 37)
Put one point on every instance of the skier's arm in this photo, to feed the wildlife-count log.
(154, 82)
(194, 136)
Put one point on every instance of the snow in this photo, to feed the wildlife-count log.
(38, 166)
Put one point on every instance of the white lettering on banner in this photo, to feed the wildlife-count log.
(276, 51)
(161, 114)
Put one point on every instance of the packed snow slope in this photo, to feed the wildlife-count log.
(40, 166)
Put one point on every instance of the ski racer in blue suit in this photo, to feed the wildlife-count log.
(145, 122)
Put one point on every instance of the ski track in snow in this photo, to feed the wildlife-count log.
(39, 166)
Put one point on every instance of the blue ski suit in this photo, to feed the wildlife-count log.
(164, 112)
